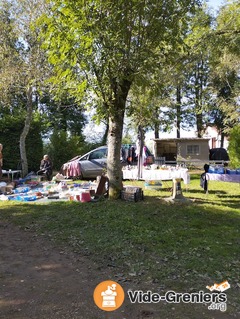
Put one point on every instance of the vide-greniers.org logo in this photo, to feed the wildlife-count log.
(109, 296)
(216, 300)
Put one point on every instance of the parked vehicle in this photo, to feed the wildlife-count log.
(94, 162)
(218, 154)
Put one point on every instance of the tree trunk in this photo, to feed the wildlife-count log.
(114, 167)
(23, 136)
(116, 118)
(105, 135)
(199, 119)
(156, 122)
(156, 130)
(199, 100)
(178, 111)
(222, 139)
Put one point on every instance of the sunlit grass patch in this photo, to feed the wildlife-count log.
(194, 243)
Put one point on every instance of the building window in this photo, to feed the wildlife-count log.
(193, 149)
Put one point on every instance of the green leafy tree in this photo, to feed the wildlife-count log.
(180, 98)
(23, 67)
(9, 53)
(195, 69)
(11, 126)
(63, 146)
(103, 47)
(225, 67)
(233, 148)
(150, 108)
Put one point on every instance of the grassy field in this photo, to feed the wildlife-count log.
(183, 246)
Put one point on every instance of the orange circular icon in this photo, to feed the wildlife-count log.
(108, 295)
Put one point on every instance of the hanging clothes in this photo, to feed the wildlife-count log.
(71, 169)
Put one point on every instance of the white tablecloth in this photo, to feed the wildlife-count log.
(234, 178)
(158, 174)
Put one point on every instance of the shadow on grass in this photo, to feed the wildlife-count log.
(182, 246)
(210, 192)
(234, 197)
(212, 198)
(150, 236)
(179, 245)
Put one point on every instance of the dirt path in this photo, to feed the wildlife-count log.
(39, 281)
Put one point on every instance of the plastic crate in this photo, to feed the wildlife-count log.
(132, 194)
(231, 171)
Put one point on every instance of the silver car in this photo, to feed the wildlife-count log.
(94, 162)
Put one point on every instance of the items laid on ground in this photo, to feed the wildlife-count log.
(30, 189)
(222, 170)
(153, 184)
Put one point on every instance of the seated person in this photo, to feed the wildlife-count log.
(45, 167)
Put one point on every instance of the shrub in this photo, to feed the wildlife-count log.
(234, 147)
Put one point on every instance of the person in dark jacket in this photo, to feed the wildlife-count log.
(203, 181)
(46, 167)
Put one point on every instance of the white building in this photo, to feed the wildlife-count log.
(215, 138)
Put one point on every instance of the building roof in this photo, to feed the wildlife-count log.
(181, 139)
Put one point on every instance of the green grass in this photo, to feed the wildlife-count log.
(183, 245)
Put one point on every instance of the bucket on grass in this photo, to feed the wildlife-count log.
(85, 197)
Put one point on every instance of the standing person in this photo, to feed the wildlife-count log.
(46, 167)
(1, 160)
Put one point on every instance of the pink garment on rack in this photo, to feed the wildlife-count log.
(74, 168)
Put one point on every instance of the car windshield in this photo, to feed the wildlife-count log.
(98, 154)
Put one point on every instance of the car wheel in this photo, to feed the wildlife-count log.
(81, 176)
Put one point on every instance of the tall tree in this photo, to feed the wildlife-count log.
(196, 70)
(102, 47)
(9, 51)
(225, 67)
(63, 114)
(184, 76)
(22, 72)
